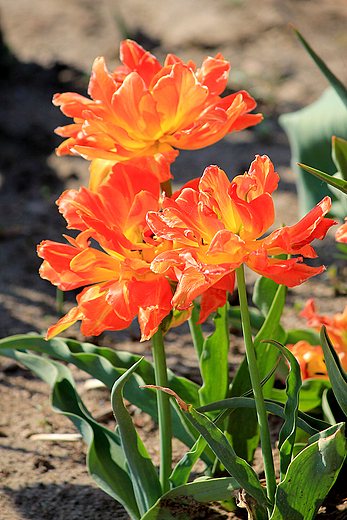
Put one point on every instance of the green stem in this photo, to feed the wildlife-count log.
(164, 410)
(196, 332)
(257, 391)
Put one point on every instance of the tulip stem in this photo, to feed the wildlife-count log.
(164, 410)
(256, 386)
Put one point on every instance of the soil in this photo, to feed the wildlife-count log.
(49, 47)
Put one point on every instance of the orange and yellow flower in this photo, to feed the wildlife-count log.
(142, 111)
(119, 284)
(218, 225)
(310, 359)
(336, 328)
(341, 233)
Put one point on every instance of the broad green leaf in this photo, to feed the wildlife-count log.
(339, 155)
(288, 430)
(106, 461)
(144, 477)
(313, 472)
(108, 365)
(309, 131)
(330, 76)
(337, 183)
(337, 375)
(264, 292)
(201, 490)
(214, 360)
(237, 467)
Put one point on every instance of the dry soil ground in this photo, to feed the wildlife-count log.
(50, 47)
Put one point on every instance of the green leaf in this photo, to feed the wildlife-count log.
(237, 467)
(215, 354)
(310, 396)
(179, 503)
(313, 472)
(340, 184)
(108, 365)
(288, 430)
(337, 375)
(327, 411)
(309, 131)
(267, 354)
(144, 477)
(106, 461)
(330, 76)
(255, 316)
(183, 468)
(264, 293)
(339, 155)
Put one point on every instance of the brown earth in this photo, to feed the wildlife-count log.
(50, 48)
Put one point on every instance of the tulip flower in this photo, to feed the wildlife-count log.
(336, 328)
(119, 284)
(142, 112)
(219, 225)
(310, 359)
(341, 233)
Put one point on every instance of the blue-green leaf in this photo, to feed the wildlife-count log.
(309, 131)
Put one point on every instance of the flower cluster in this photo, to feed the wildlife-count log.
(218, 225)
(137, 254)
(120, 284)
(142, 111)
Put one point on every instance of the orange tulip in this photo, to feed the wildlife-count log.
(310, 359)
(336, 328)
(120, 284)
(218, 225)
(142, 111)
(341, 233)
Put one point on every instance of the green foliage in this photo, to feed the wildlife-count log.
(310, 131)
(215, 354)
(106, 461)
(337, 375)
(144, 477)
(313, 471)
